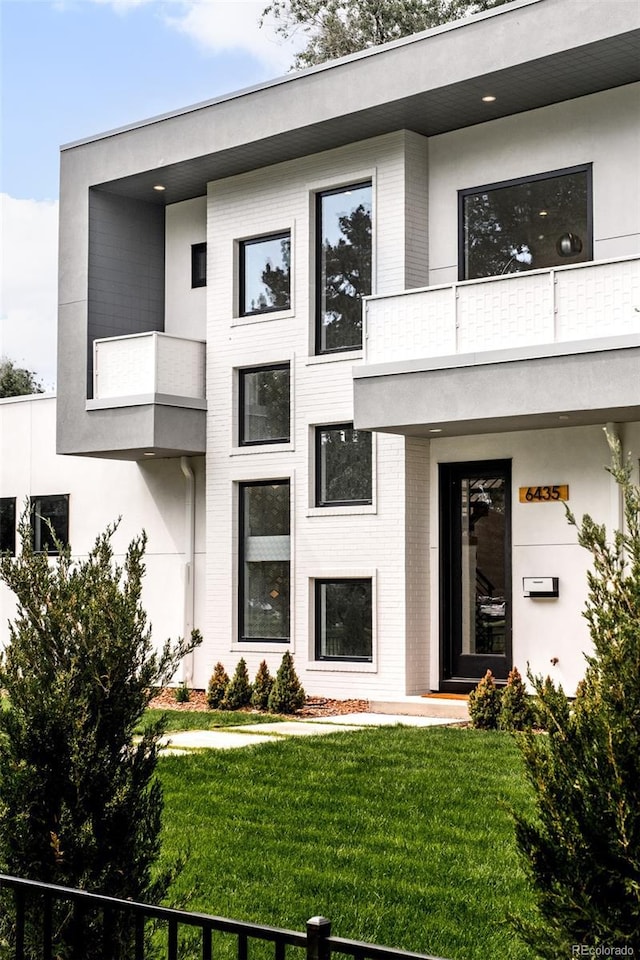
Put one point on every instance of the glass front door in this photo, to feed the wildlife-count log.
(475, 546)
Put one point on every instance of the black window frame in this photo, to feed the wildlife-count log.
(242, 373)
(242, 639)
(242, 273)
(320, 449)
(8, 525)
(318, 616)
(198, 265)
(586, 168)
(39, 522)
(319, 196)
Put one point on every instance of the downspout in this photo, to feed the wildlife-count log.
(189, 557)
(617, 502)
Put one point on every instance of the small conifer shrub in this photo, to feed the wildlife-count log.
(262, 687)
(182, 694)
(516, 712)
(286, 695)
(238, 691)
(484, 704)
(217, 686)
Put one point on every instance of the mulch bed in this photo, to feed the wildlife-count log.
(314, 706)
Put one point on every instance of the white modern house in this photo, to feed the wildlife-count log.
(345, 344)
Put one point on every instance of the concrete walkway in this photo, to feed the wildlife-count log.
(230, 738)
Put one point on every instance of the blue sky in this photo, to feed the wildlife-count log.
(72, 68)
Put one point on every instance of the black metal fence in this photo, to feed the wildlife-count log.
(316, 942)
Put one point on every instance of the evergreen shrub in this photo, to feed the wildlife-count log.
(262, 687)
(238, 691)
(80, 804)
(582, 850)
(287, 694)
(217, 686)
(484, 704)
(516, 711)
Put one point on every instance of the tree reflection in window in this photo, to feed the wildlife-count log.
(344, 266)
(528, 224)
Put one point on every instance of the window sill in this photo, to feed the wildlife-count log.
(262, 317)
(348, 355)
(262, 448)
(347, 510)
(341, 666)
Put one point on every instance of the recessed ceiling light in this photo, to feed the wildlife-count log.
(159, 186)
(489, 98)
(543, 213)
(563, 416)
(149, 453)
(435, 430)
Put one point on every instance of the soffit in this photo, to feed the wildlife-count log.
(578, 72)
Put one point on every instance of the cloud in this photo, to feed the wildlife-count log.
(221, 26)
(28, 284)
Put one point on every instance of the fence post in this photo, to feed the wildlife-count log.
(318, 930)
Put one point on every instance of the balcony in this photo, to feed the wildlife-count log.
(148, 368)
(504, 353)
(148, 397)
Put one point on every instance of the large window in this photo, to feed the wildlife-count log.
(343, 465)
(344, 619)
(265, 274)
(343, 277)
(264, 561)
(264, 405)
(526, 224)
(8, 524)
(49, 522)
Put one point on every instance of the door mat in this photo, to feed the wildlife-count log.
(445, 696)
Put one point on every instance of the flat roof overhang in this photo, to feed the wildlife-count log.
(528, 54)
(569, 385)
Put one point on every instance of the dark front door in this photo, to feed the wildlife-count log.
(475, 575)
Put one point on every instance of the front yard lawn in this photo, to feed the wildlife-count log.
(401, 836)
(177, 720)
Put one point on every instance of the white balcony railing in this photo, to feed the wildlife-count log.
(581, 302)
(146, 366)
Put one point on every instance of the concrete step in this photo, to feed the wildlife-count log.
(452, 709)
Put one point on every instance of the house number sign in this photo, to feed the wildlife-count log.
(544, 494)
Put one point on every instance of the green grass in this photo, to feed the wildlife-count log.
(205, 719)
(400, 836)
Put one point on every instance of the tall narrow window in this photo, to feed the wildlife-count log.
(198, 265)
(526, 224)
(343, 466)
(8, 525)
(265, 274)
(343, 272)
(344, 619)
(264, 405)
(49, 522)
(264, 561)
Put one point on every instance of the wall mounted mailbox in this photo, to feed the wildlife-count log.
(540, 586)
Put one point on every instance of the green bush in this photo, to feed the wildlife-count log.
(516, 711)
(262, 687)
(238, 691)
(217, 686)
(583, 848)
(484, 704)
(80, 804)
(182, 694)
(286, 695)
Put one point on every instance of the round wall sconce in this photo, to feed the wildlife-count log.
(568, 245)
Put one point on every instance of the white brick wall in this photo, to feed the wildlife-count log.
(359, 541)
